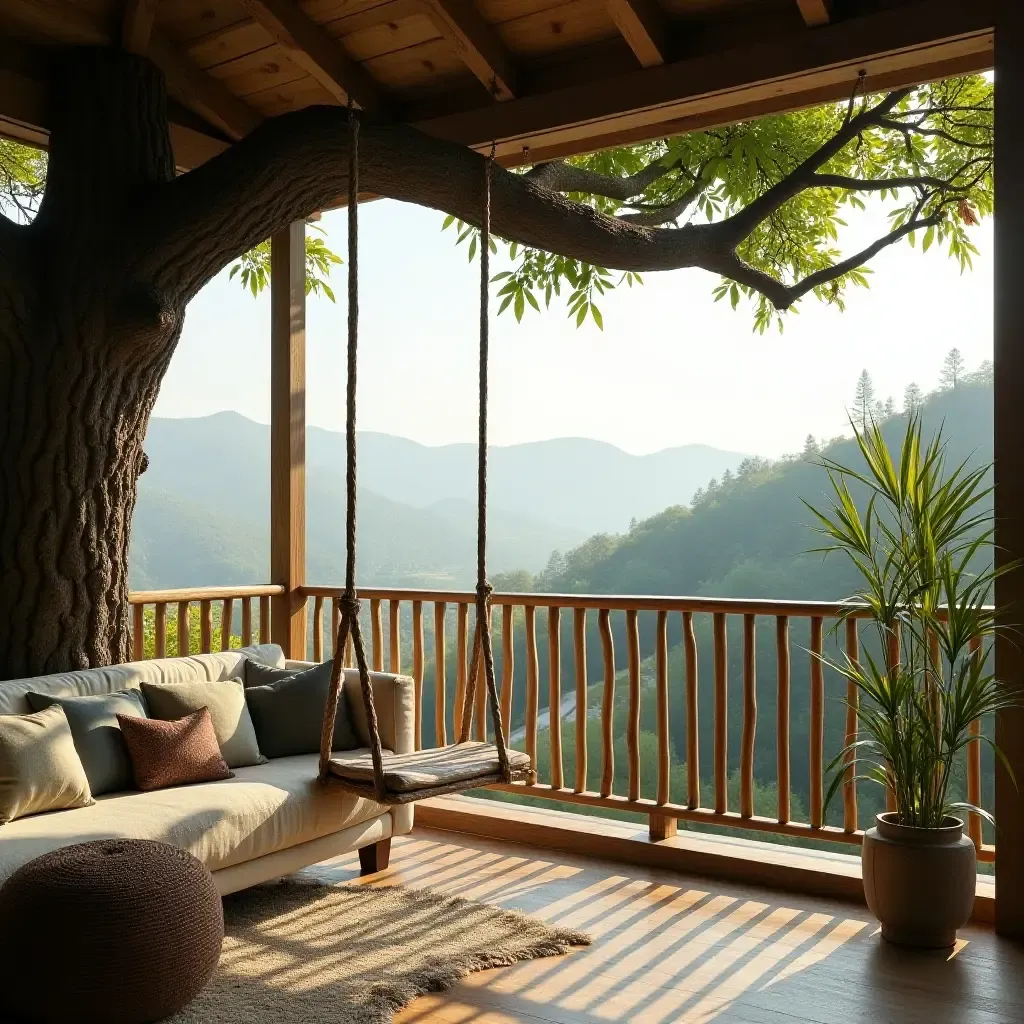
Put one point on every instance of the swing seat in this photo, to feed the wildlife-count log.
(426, 773)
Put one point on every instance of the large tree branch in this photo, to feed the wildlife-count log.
(295, 164)
(852, 184)
(562, 177)
(741, 224)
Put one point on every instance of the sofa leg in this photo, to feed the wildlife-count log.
(374, 858)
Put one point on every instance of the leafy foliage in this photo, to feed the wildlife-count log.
(22, 178)
(915, 547)
(253, 269)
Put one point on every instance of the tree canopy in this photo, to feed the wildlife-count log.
(761, 203)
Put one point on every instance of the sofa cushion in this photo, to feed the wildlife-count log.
(261, 810)
(97, 736)
(40, 770)
(226, 703)
(84, 682)
(178, 753)
(287, 709)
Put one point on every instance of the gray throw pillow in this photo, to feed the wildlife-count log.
(226, 702)
(97, 735)
(287, 709)
(40, 770)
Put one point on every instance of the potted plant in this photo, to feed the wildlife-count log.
(921, 546)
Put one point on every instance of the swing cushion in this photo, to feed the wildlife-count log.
(460, 765)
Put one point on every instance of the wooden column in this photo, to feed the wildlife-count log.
(1009, 450)
(288, 436)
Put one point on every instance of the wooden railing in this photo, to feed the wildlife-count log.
(248, 628)
(407, 609)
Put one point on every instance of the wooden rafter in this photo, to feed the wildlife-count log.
(478, 44)
(921, 42)
(201, 92)
(816, 12)
(644, 28)
(137, 25)
(313, 49)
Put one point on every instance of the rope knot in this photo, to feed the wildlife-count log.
(484, 590)
(350, 605)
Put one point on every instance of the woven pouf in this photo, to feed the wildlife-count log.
(121, 931)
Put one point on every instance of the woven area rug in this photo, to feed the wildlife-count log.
(305, 953)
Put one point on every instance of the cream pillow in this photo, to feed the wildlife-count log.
(228, 711)
(40, 770)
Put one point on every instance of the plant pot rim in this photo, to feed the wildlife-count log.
(889, 827)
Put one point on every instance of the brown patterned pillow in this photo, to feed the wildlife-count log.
(173, 753)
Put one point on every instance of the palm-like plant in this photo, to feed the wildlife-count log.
(921, 547)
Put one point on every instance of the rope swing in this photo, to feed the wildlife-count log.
(402, 778)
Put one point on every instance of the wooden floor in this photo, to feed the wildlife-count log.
(670, 948)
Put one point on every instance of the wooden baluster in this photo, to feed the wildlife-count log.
(160, 630)
(633, 721)
(417, 668)
(692, 722)
(335, 622)
(461, 654)
(604, 627)
(974, 767)
(264, 620)
(852, 701)
(782, 715)
(532, 687)
(184, 631)
(507, 667)
(893, 653)
(483, 713)
(440, 686)
(555, 694)
(395, 636)
(138, 631)
(205, 626)
(749, 716)
(661, 826)
(579, 637)
(247, 622)
(227, 614)
(721, 714)
(377, 628)
(817, 723)
(318, 629)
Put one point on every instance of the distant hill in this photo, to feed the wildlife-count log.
(575, 482)
(204, 505)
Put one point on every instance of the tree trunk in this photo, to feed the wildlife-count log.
(83, 347)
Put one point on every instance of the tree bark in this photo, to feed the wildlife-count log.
(84, 343)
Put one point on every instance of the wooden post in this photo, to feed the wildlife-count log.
(1008, 353)
(288, 436)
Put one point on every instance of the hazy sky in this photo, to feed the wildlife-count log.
(671, 367)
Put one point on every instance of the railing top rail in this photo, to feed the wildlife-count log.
(613, 602)
(204, 593)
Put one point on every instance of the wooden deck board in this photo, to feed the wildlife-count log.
(673, 948)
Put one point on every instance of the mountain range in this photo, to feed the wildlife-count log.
(203, 509)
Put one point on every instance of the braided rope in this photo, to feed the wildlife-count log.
(482, 633)
(349, 602)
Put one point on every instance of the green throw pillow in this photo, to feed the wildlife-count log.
(97, 735)
(287, 709)
(40, 770)
(226, 701)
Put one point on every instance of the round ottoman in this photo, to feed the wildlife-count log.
(121, 931)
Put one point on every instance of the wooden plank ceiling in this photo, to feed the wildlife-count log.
(543, 78)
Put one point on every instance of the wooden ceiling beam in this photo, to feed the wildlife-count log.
(816, 12)
(478, 44)
(643, 26)
(919, 42)
(201, 92)
(137, 25)
(314, 50)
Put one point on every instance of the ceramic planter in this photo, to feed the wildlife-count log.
(919, 882)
